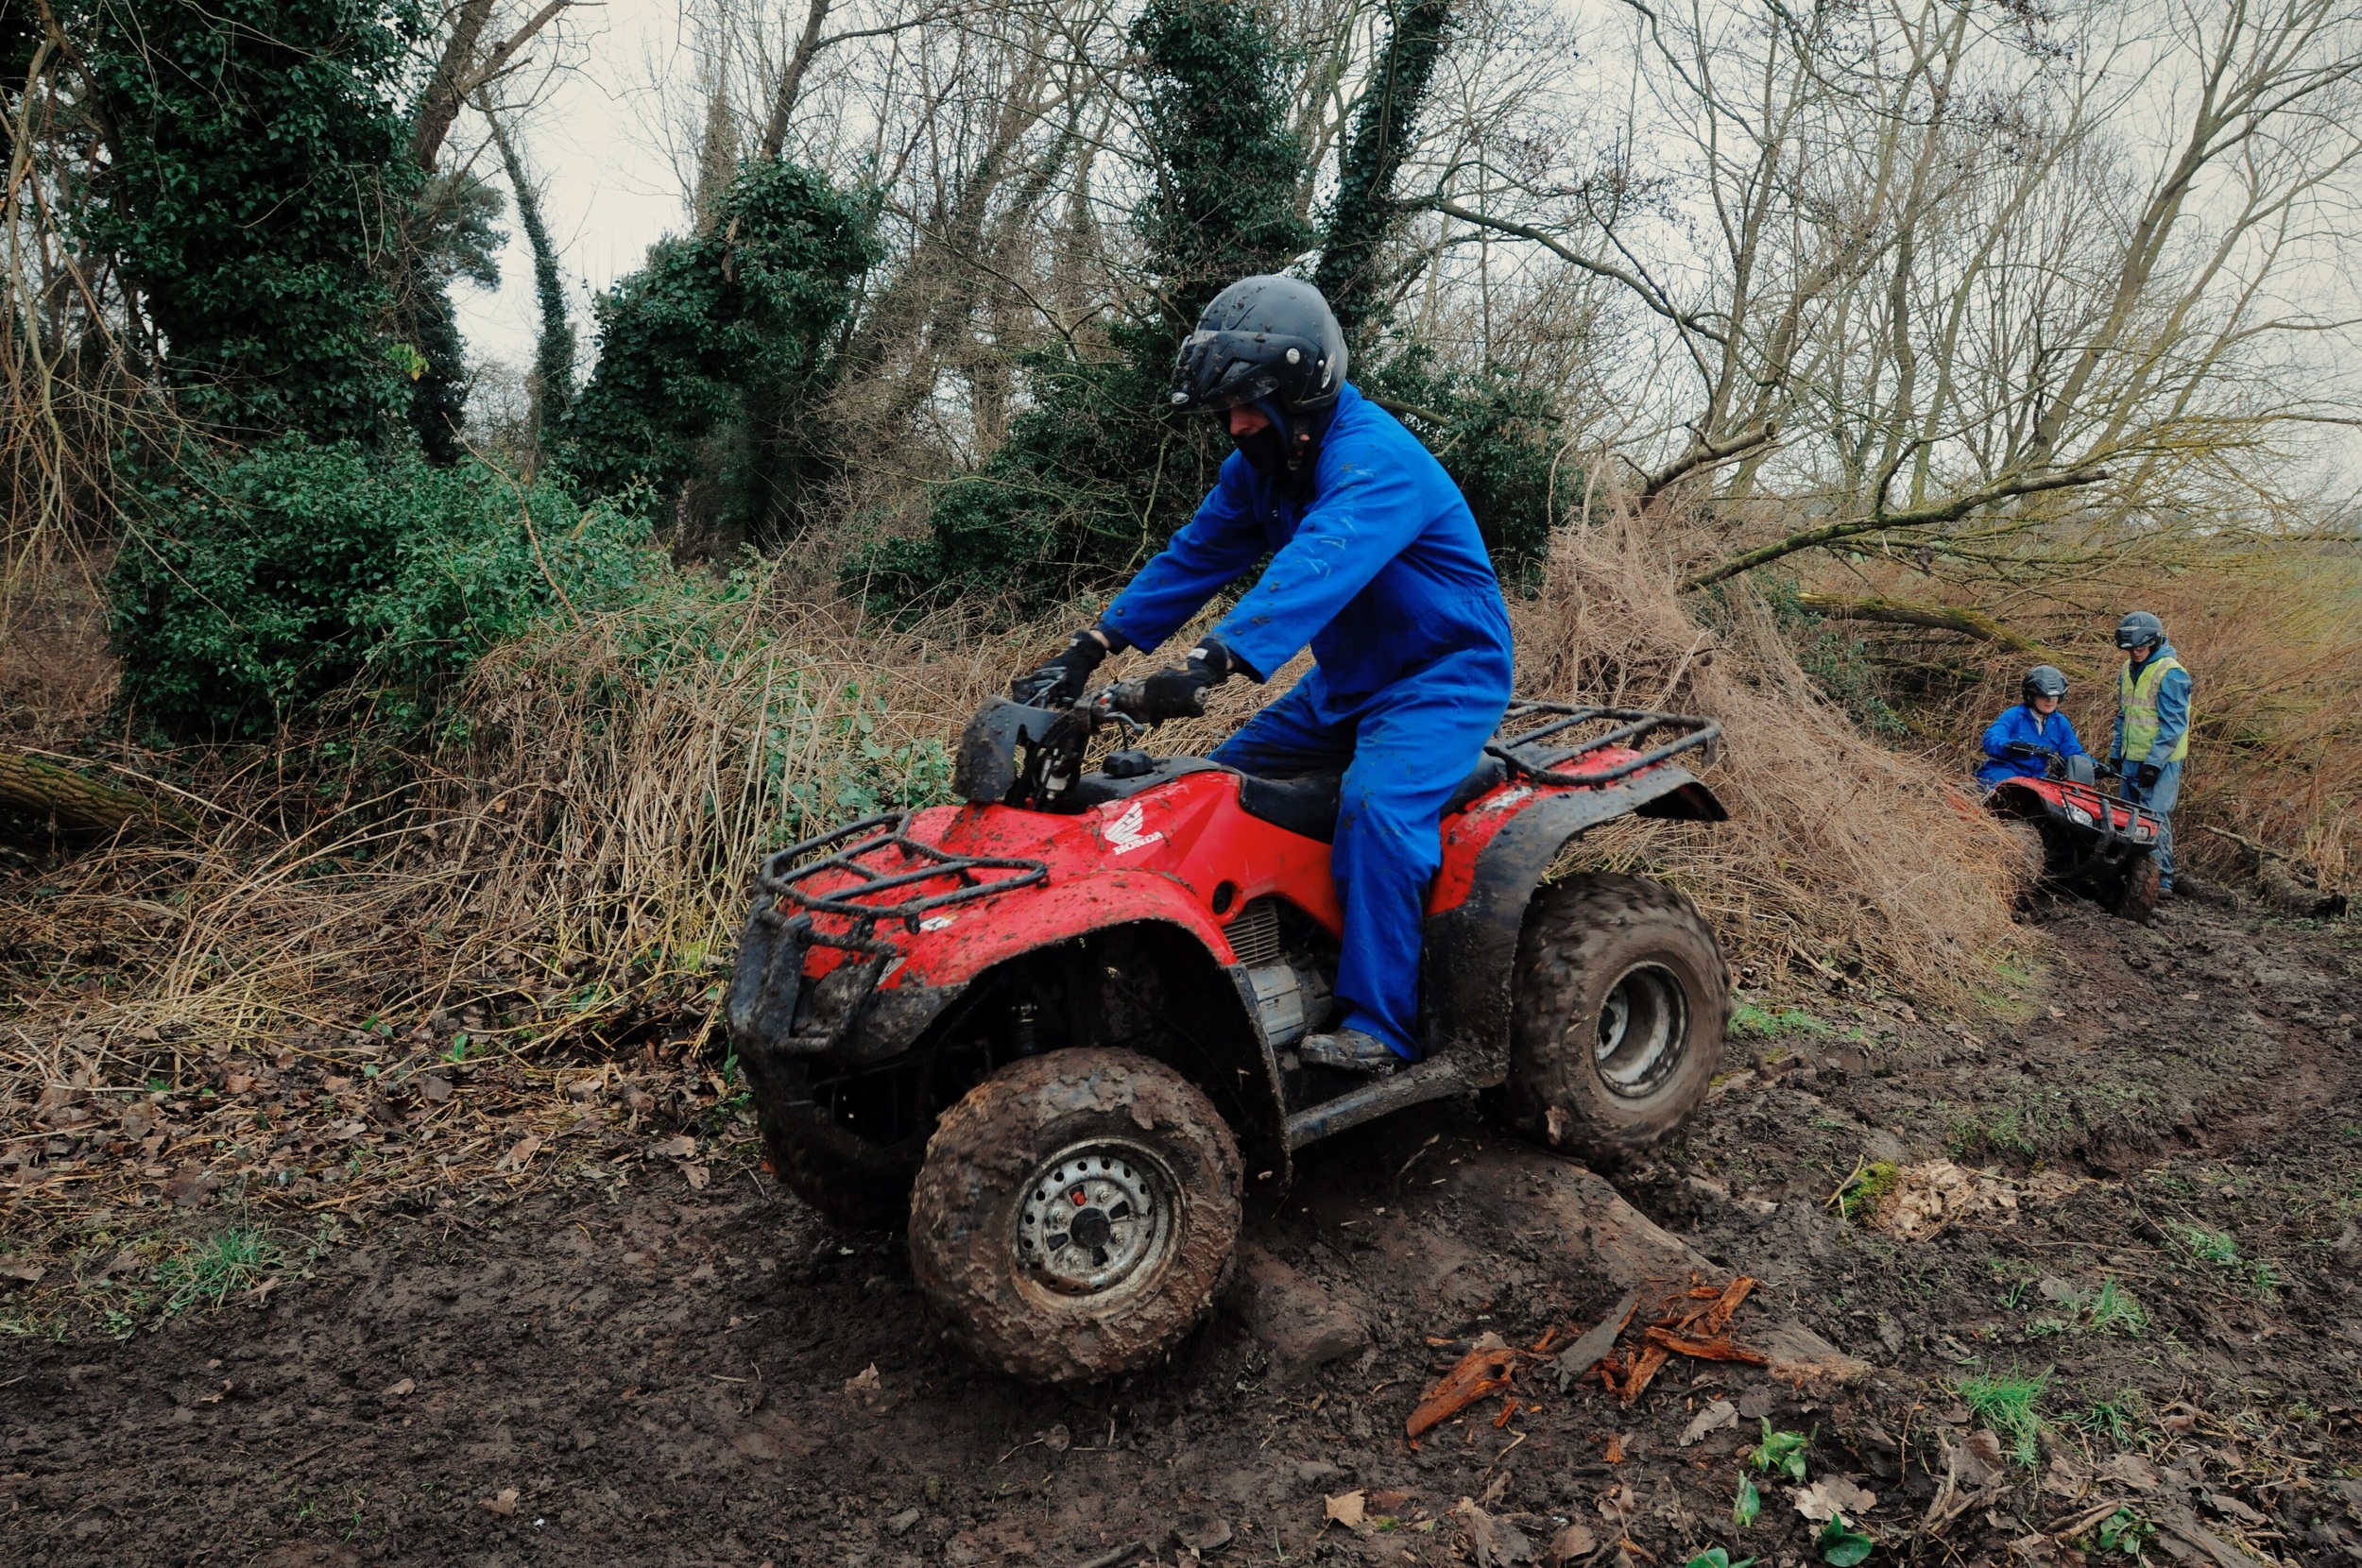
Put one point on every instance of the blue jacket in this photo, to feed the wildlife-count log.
(1382, 571)
(2173, 712)
(2023, 724)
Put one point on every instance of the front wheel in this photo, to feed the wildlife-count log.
(1076, 1214)
(1621, 1004)
(2139, 882)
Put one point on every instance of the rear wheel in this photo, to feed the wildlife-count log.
(1620, 1009)
(1076, 1214)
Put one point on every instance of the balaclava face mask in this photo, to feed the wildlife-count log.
(1270, 447)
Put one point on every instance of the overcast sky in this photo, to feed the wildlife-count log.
(607, 189)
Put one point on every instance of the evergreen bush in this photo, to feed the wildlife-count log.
(256, 585)
(255, 154)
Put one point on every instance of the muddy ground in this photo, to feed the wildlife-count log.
(649, 1354)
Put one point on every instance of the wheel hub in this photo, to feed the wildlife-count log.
(1095, 1219)
(1642, 1026)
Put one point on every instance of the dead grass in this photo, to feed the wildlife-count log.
(1842, 856)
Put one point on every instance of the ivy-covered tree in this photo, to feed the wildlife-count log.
(254, 154)
(1096, 475)
(724, 337)
(1492, 430)
(450, 235)
(1366, 213)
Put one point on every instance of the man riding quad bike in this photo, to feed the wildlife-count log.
(1068, 1028)
(2037, 772)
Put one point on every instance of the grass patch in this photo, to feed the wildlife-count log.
(2214, 1247)
(2006, 1404)
(2114, 1310)
(1998, 1129)
(1750, 1022)
(215, 1269)
(1856, 1198)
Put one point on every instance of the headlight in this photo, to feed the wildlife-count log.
(2082, 817)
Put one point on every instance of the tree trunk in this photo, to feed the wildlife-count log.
(45, 788)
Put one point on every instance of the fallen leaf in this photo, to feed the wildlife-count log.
(1976, 1461)
(1569, 1544)
(1347, 1510)
(407, 1386)
(1389, 1499)
(30, 1273)
(1578, 1359)
(1721, 1413)
(680, 1147)
(1615, 1448)
(1498, 1543)
(1832, 1495)
(524, 1149)
(1203, 1532)
(187, 1186)
(434, 1090)
(864, 1385)
(2132, 1471)
(1057, 1440)
(698, 1175)
(505, 1503)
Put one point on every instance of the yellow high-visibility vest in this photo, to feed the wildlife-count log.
(2137, 701)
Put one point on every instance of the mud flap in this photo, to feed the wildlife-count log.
(768, 981)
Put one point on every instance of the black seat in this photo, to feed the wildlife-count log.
(1306, 805)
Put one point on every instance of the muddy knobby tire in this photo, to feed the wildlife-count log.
(1021, 1146)
(2138, 886)
(1587, 943)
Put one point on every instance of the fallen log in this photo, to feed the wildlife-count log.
(45, 786)
(1934, 617)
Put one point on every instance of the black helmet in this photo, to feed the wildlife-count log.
(2139, 629)
(2043, 680)
(1263, 340)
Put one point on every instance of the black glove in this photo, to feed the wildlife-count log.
(1180, 693)
(1057, 683)
(2021, 749)
(2146, 777)
(2112, 768)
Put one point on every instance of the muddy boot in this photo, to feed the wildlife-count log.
(1347, 1050)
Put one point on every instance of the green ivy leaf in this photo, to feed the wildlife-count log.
(1841, 1544)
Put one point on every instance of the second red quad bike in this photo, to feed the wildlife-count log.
(1050, 1029)
(2092, 844)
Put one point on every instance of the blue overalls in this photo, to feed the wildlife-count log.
(2023, 724)
(1384, 574)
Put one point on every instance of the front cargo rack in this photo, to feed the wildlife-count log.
(845, 849)
(1527, 753)
(782, 927)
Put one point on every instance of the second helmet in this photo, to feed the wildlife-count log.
(2044, 680)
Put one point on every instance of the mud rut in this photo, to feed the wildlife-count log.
(640, 1371)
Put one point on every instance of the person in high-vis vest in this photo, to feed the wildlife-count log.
(2152, 736)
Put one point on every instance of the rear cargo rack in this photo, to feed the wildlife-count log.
(1526, 753)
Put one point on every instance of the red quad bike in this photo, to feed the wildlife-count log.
(2093, 845)
(1051, 1027)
